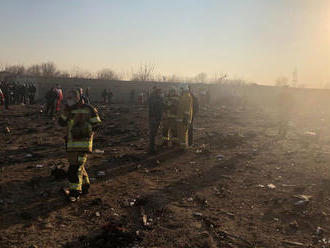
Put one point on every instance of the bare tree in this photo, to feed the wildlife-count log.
(49, 69)
(144, 73)
(107, 74)
(201, 77)
(15, 69)
(34, 70)
(219, 78)
(174, 78)
(80, 73)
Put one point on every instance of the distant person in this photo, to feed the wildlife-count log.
(105, 96)
(2, 98)
(155, 115)
(51, 102)
(132, 96)
(109, 96)
(194, 113)
(169, 125)
(83, 97)
(184, 116)
(6, 93)
(285, 102)
(32, 92)
(141, 97)
(59, 97)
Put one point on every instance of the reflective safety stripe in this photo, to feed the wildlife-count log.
(75, 186)
(171, 116)
(95, 119)
(80, 111)
(63, 117)
(187, 112)
(82, 159)
(79, 143)
(84, 146)
(165, 138)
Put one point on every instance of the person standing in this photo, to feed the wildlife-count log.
(155, 115)
(109, 95)
(2, 97)
(5, 91)
(83, 97)
(285, 102)
(105, 96)
(194, 112)
(184, 116)
(80, 119)
(51, 102)
(169, 125)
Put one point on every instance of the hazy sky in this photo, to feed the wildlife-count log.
(257, 40)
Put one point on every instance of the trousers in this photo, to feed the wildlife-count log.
(77, 173)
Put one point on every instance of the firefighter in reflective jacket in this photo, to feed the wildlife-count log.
(184, 116)
(169, 123)
(80, 120)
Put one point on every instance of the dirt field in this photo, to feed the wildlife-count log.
(239, 186)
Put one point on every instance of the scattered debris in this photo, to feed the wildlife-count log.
(220, 157)
(292, 243)
(303, 197)
(40, 166)
(144, 218)
(319, 231)
(100, 173)
(7, 130)
(198, 214)
(271, 186)
(303, 200)
(301, 203)
(310, 133)
(98, 151)
(98, 214)
(294, 225)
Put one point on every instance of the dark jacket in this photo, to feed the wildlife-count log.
(155, 106)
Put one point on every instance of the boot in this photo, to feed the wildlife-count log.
(85, 189)
(74, 195)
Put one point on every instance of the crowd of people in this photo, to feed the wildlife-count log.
(16, 93)
(174, 111)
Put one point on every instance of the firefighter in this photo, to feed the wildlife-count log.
(169, 130)
(51, 102)
(80, 119)
(184, 116)
(155, 115)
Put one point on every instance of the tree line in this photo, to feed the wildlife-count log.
(143, 73)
